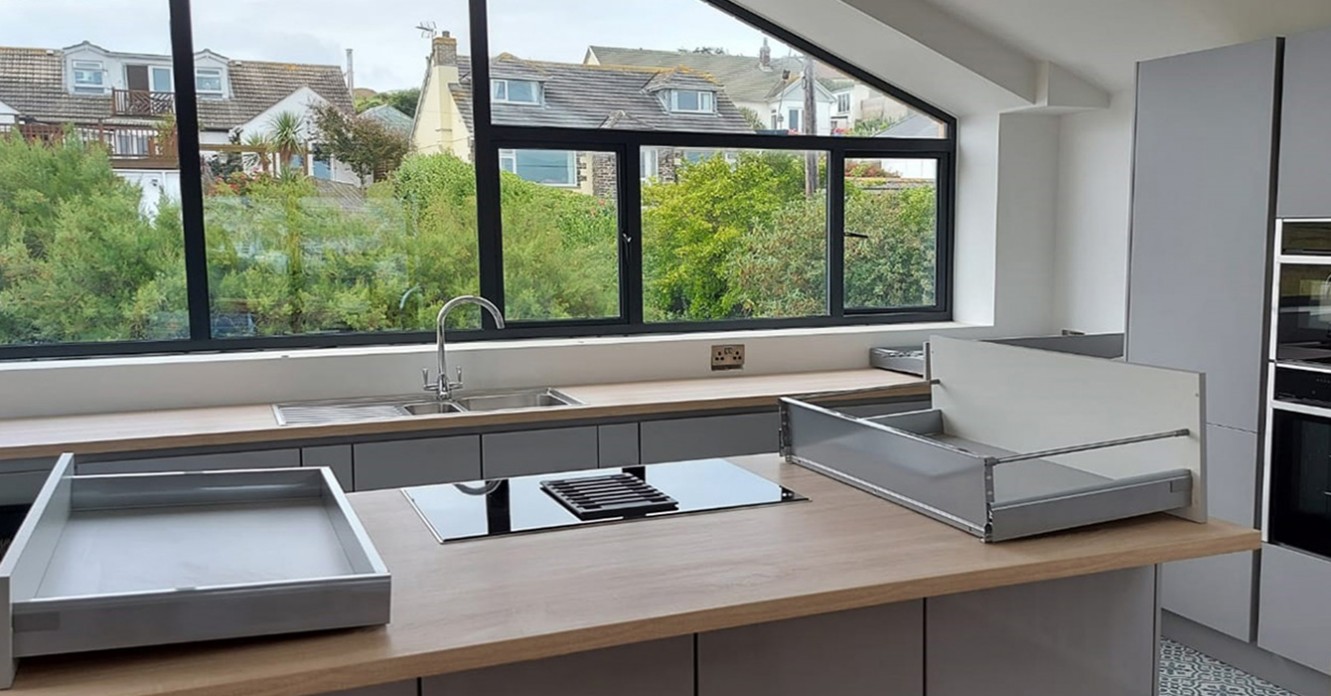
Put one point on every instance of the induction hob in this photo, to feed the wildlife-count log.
(480, 509)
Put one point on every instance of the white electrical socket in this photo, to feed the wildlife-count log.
(728, 357)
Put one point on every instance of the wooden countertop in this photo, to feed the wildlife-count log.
(231, 425)
(482, 603)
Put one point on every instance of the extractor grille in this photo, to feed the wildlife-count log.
(610, 495)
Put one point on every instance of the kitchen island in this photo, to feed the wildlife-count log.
(844, 594)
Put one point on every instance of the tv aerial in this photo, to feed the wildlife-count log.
(429, 29)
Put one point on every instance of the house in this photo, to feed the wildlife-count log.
(391, 118)
(771, 88)
(127, 102)
(570, 95)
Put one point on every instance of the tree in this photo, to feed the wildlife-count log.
(707, 50)
(403, 100)
(286, 131)
(752, 118)
(364, 144)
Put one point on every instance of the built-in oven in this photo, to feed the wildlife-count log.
(1302, 292)
(1299, 468)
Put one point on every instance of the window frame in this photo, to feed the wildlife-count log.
(221, 82)
(706, 101)
(843, 96)
(78, 87)
(152, 78)
(488, 140)
(513, 155)
(506, 83)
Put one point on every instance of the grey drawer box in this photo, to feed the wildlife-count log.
(260, 459)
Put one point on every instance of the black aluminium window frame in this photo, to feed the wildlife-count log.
(626, 146)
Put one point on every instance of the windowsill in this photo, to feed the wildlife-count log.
(483, 347)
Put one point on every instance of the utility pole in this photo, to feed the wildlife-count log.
(810, 127)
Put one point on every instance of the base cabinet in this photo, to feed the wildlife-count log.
(335, 457)
(260, 459)
(654, 668)
(416, 462)
(538, 451)
(1092, 635)
(712, 436)
(877, 651)
(402, 688)
(1294, 612)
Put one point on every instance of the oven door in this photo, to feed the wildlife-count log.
(1300, 470)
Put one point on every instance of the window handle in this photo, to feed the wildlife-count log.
(627, 239)
(856, 235)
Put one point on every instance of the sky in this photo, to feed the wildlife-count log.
(389, 51)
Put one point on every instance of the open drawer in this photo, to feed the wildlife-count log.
(1020, 442)
(127, 560)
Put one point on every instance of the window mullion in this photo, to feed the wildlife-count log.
(836, 233)
(489, 232)
(191, 173)
(630, 233)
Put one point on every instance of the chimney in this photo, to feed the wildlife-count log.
(444, 50)
(351, 73)
(765, 56)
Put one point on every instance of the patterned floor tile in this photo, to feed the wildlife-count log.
(1186, 672)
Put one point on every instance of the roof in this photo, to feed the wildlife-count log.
(32, 81)
(916, 125)
(744, 77)
(592, 96)
(390, 118)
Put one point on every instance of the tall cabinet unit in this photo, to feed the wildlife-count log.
(1202, 216)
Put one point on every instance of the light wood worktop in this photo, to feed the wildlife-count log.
(489, 602)
(232, 425)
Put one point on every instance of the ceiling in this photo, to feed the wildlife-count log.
(1102, 40)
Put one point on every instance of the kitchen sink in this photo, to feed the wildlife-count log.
(519, 398)
(352, 410)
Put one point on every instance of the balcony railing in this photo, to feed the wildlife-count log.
(137, 102)
(132, 147)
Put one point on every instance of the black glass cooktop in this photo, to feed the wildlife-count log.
(458, 511)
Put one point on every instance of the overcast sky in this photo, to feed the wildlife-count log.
(389, 49)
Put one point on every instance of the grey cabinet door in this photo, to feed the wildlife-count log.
(261, 459)
(1201, 217)
(1092, 635)
(538, 451)
(618, 445)
(1294, 614)
(654, 668)
(1217, 591)
(416, 462)
(1305, 150)
(712, 436)
(402, 688)
(864, 652)
(335, 457)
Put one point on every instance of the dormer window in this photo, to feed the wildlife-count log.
(692, 101)
(515, 91)
(208, 82)
(89, 77)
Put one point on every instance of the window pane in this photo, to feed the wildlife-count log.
(891, 233)
(561, 242)
(738, 234)
(91, 244)
(319, 217)
(523, 91)
(686, 100)
(208, 81)
(162, 80)
(499, 90)
(619, 70)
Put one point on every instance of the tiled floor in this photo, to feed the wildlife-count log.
(1186, 672)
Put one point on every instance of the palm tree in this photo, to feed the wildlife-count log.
(258, 147)
(287, 132)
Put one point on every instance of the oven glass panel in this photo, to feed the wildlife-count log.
(1301, 481)
(1304, 238)
(1304, 323)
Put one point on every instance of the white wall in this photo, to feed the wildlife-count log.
(1091, 247)
(157, 185)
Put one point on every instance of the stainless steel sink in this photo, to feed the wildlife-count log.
(352, 410)
(517, 398)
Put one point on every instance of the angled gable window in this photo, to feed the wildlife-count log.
(208, 82)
